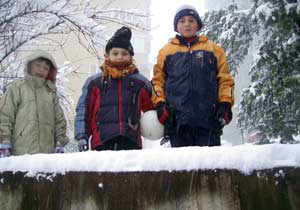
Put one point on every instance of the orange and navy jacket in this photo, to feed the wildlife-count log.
(194, 78)
(112, 107)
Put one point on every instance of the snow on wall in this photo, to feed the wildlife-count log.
(244, 158)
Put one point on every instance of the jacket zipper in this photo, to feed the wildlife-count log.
(38, 117)
(189, 47)
(120, 105)
(191, 64)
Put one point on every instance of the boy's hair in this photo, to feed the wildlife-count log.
(48, 63)
(39, 59)
(187, 10)
(120, 39)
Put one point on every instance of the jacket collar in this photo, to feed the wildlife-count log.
(39, 82)
(179, 40)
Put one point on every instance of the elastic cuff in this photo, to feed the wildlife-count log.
(5, 146)
(225, 99)
(82, 140)
(157, 103)
(164, 116)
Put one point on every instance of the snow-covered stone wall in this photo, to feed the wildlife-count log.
(246, 177)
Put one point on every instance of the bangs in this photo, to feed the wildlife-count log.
(47, 61)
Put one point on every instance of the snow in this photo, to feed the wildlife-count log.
(265, 9)
(290, 6)
(245, 158)
(252, 88)
(100, 185)
(293, 39)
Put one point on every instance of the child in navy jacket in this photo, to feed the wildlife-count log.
(110, 106)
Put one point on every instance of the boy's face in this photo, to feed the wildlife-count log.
(40, 69)
(187, 26)
(118, 55)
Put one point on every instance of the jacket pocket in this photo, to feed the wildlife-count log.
(20, 130)
(20, 139)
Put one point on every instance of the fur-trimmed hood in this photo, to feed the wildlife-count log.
(38, 54)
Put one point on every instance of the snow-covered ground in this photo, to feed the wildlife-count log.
(244, 158)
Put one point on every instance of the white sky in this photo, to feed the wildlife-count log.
(163, 13)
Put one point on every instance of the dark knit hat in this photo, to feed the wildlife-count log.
(187, 10)
(120, 39)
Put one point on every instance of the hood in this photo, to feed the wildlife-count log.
(40, 53)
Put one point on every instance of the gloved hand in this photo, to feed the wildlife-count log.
(5, 150)
(83, 145)
(164, 113)
(224, 113)
(59, 150)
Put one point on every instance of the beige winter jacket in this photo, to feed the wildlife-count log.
(31, 119)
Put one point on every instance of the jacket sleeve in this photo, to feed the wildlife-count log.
(146, 102)
(225, 80)
(60, 124)
(8, 109)
(82, 119)
(159, 79)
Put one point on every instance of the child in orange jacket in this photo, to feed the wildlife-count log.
(192, 87)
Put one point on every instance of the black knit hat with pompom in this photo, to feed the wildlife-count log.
(120, 39)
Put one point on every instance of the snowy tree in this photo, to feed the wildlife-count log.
(26, 22)
(66, 102)
(232, 29)
(9, 74)
(272, 103)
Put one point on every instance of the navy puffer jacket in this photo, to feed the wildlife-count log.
(112, 108)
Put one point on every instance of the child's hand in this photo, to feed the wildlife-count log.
(164, 113)
(224, 114)
(59, 150)
(83, 145)
(5, 150)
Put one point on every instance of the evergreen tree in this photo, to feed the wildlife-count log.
(271, 103)
(233, 30)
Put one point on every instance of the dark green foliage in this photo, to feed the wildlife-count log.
(271, 103)
(233, 30)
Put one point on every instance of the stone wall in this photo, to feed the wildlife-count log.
(276, 189)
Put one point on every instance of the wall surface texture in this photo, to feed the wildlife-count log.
(276, 189)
